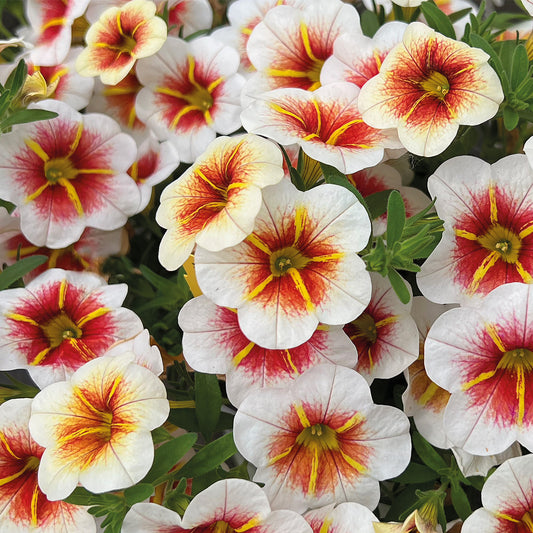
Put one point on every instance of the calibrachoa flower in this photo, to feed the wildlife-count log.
(483, 356)
(214, 343)
(427, 86)
(321, 440)
(326, 124)
(95, 428)
(23, 506)
(290, 45)
(227, 505)
(299, 267)
(385, 335)
(191, 92)
(507, 498)
(341, 518)
(415, 522)
(488, 228)
(68, 173)
(60, 321)
(215, 202)
(120, 37)
(186, 17)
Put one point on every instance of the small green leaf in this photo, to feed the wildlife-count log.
(80, 496)
(16, 79)
(15, 272)
(427, 453)
(395, 218)
(399, 286)
(520, 66)
(208, 400)
(8, 205)
(369, 23)
(458, 15)
(23, 116)
(167, 455)
(479, 42)
(460, 501)
(437, 20)
(138, 493)
(510, 118)
(377, 203)
(296, 179)
(416, 473)
(209, 457)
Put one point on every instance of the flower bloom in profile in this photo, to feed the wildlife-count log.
(414, 522)
(483, 356)
(321, 440)
(191, 92)
(61, 320)
(385, 335)
(227, 505)
(341, 518)
(427, 86)
(299, 267)
(507, 498)
(488, 228)
(23, 506)
(325, 123)
(214, 203)
(214, 343)
(95, 428)
(186, 17)
(51, 23)
(68, 173)
(289, 47)
(120, 37)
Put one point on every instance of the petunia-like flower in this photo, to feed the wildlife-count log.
(214, 343)
(23, 506)
(95, 428)
(357, 58)
(215, 202)
(385, 335)
(191, 92)
(507, 498)
(299, 267)
(427, 86)
(414, 522)
(67, 173)
(51, 22)
(341, 518)
(321, 440)
(120, 37)
(326, 124)
(225, 506)
(483, 356)
(488, 228)
(186, 17)
(61, 320)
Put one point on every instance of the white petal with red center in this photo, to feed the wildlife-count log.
(150, 518)
(341, 518)
(189, 16)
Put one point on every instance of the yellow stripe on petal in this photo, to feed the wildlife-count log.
(258, 243)
(298, 407)
(326, 525)
(300, 219)
(426, 396)
(520, 394)
(116, 383)
(203, 177)
(3, 440)
(290, 362)
(314, 472)
(181, 114)
(286, 73)
(37, 193)
(350, 423)
(494, 335)
(72, 195)
(507, 517)
(524, 274)
(253, 522)
(482, 270)
(106, 171)
(326, 258)
(276, 458)
(318, 116)
(170, 92)
(22, 318)
(302, 289)
(260, 287)
(307, 43)
(232, 155)
(243, 353)
(62, 293)
(465, 234)
(493, 204)
(60, 73)
(214, 84)
(482, 377)
(76, 141)
(280, 109)
(386, 321)
(92, 315)
(528, 230)
(333, 138)
(37, 360)
(353, 463)
(37, 149)
(60, 21)
(12, 477)
(33, 505)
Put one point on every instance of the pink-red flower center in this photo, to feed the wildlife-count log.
(436, 84)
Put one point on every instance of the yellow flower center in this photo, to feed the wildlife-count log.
(436, 84)
(318, 438)
(284, 259)
(503, 241)
(199, 98)
(519, 358)
(127, 44)
(527, 520)
(59, 168)
(367, 329)
(59, 328)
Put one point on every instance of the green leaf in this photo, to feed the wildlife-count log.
(27, 115)
(395, 218)
(510, 118)
(16, 79)
(15, 272)
(80, 496)
(296, 179)
(520, 66)
(5, 100)
(458, 15)
(427, 453)
(8, 205)
(399, 286)
(437, 20)
(208, 400)
(209, 457)
(460, 501)
(377, 203)
(369, 23)
(167, 455)
(416, 473)
(160, 434)
(138, 493)
(479, 42)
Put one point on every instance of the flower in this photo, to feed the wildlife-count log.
(326, 124)
(186, 17)
(507, 500)
(321, 440)
(299, 267)
(60, 321)
(483, 356)
(214, 203)
(227, 505)
(191, 93)
(214, 343)
(341, 518)
(95, 428)
(68, 173)
(120, 37)
(414, 522)
(488, 228)
(23, 506)
(427, 86)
